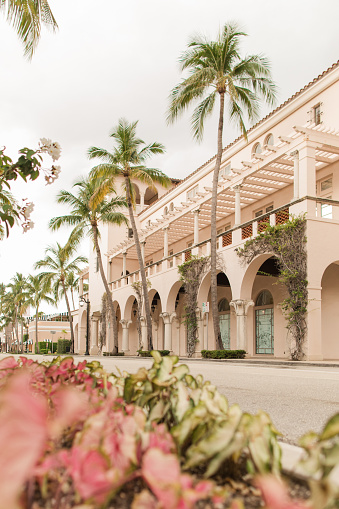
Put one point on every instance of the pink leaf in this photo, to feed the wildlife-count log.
(275, 494)
(23, 433)
(162, 473)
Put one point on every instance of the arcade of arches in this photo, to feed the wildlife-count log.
(250, 315)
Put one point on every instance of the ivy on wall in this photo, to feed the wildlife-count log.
(191, 274)
(288, 243)
(137, 288)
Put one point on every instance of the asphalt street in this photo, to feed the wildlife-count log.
(298, 398)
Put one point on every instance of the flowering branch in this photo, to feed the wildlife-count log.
(28, 165)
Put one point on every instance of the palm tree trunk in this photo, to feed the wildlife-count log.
(69, 315)
(36, 330)
(142, 267)
(72, 298)
(214, 286)
(108, 292)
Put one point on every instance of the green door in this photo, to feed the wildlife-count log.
(264, 331)
(225, 329)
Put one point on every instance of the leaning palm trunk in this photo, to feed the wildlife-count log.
(214, 286)
(108, 292)
(142, 268)
(69, 315)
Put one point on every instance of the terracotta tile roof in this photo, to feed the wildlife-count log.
(278, 108)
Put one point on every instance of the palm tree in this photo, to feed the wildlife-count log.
(72, 285)
(59, 264)
(16, 301)
(217, 70)
(85, 216)
(128, 161)
(38, 291)
(26, 17)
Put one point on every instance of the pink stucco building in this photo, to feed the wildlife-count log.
(288, 166)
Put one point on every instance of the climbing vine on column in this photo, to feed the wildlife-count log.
(191, 274)
(288, 243)
(137, 287)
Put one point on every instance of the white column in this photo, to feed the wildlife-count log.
(142, 201)
(143, 332)
(125, 339)
(237, 219)
(168, 319)
(124, 259)
(295, 155)
(166, 242)
(307, 171)
(196, 226)
(241, 308)
(81, 286)
(94, 336)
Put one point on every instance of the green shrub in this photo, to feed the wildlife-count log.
(147, 353)
(64, 346)
(223, 354)
(110, 354)
(46, 347)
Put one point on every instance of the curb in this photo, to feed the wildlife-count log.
(291, 455)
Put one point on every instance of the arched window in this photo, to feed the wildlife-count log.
(264, 299)
(171, 207)
(225, 322)
(136, 193)
(269, 140)
(257, 149)
(165, 211)
(264, 324)
(223, 305)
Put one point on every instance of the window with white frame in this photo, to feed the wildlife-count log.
(316, 110)
(192, 193)
(256, 149)
(263, 210)
(226, 170)
(269, 140)
(324, 190)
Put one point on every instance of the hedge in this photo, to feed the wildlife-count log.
(147, 353)
(223, 354)
(64, 346)
(46, 347)
(110, 354)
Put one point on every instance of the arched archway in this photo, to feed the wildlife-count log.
(151, 195)
(157, 319)
(329, 307)
(136, 193)
(204, 296)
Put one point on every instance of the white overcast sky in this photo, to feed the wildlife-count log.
(120, 58)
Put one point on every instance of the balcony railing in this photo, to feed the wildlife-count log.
(233, 236)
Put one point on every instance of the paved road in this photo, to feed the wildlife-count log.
(298, 398)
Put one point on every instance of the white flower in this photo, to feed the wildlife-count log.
(51, 147)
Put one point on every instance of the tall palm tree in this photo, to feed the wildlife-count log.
(58, 265)
(89, 208)
(16, 301)
(72, 285)
(217, 70)
(26, 16)
(128, 160)
(38, 292)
